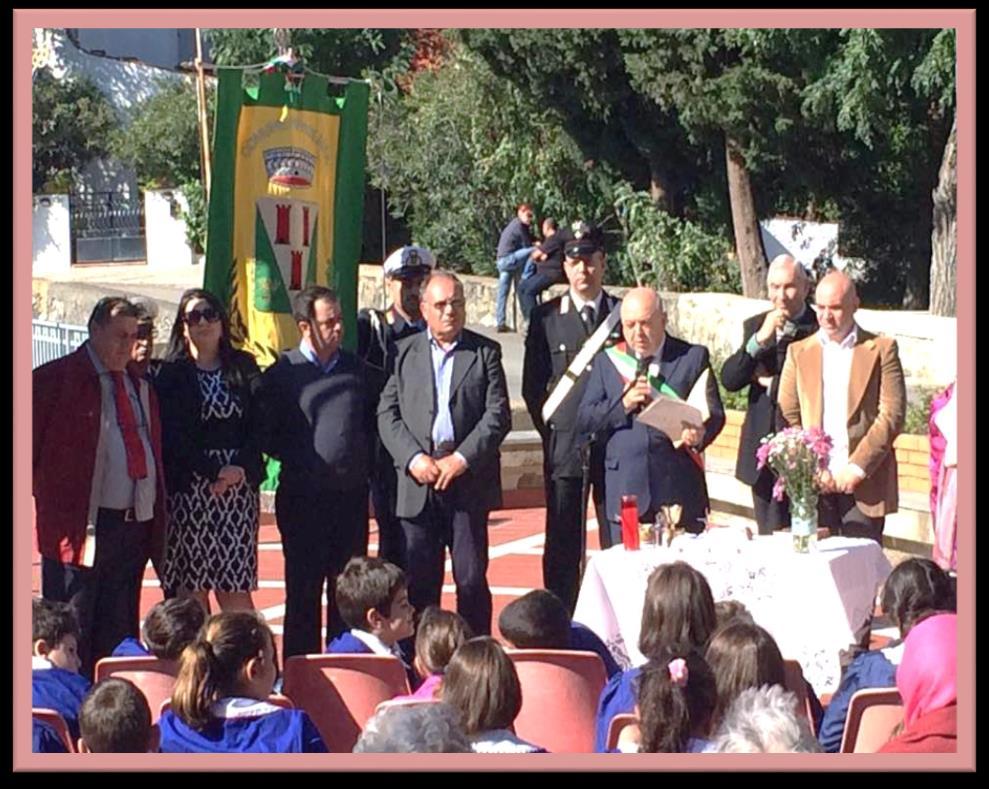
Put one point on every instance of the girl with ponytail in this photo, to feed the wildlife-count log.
(220, 705)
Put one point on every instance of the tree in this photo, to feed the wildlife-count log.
(72, 123)
(455, 174)
(944, 239)
(884, 97)
(161, 143)
(338, 52)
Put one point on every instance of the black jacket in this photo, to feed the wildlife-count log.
(186, 437)
(762, 416)
(556, 335)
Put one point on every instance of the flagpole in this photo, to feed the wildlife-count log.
(204, 153)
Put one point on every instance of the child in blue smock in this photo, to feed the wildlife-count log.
(538, 620)
(219, 703)
(372, 597)
(55, 680)
(115, 718)
(676, 700)
(169, 627)
(678, 612)
(915, 589)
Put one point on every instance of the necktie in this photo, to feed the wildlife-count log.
(136, 466)
(587, 316)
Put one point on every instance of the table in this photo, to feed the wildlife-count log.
(814, 604)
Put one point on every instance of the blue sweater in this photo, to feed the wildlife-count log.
(618, 697)
(867, 670)
(349, 644)
(44, 739)
(130, 647)
(257, 727)
(62, 691)
(583, 639)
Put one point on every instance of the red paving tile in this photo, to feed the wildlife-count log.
(513, 571)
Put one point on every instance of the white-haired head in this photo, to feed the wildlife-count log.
(764, 720)
(430, 727)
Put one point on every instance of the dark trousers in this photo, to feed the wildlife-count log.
(770, 514)
(106, 597)
(840, 514)
(443, 524)
(384, 492)
(561, 554)
(320, 533)
(529, 289)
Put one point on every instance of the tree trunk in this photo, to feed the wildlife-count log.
(944, 237)
(748, 239)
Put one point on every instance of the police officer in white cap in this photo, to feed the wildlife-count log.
(377, 333)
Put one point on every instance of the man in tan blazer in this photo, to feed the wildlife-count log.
(849, 383)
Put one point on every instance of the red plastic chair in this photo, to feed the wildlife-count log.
(796, 684)
(560, 691)
(154, 677)
(341, 692)
(618, 723)
(873, 713)
(57, 722)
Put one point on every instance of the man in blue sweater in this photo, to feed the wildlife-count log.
(318, 419)
(515, 247)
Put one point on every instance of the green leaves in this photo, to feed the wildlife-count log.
(72, 123)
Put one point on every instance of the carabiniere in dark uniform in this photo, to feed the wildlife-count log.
(556, 335)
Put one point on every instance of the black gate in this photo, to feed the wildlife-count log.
(106, 227)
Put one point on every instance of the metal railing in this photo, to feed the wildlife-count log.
(51, 340)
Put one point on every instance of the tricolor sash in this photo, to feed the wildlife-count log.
(626, 365)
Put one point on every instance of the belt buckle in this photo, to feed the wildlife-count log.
(129, 515)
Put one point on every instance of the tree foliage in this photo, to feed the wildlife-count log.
(72, 123)
(459, 150)
(162, 141)
(335, 51)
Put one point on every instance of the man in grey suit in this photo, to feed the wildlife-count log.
(442, 416)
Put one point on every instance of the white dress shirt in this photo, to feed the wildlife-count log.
(836, 371)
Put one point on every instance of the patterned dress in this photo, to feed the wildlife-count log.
(213, 540)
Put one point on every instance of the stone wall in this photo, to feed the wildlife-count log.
(927, 343)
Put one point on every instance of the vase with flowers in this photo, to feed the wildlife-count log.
(799, 457)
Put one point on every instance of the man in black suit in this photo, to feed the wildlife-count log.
(757, 364)
(557, 332)
(443, 415)
(318, 420)
(640, 460)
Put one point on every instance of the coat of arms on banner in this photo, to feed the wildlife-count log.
(285, 243)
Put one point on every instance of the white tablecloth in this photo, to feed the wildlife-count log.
(811, 603)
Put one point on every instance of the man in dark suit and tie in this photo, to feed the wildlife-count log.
(757, 365)
(442, 416)
(557, 332)
(640, 460)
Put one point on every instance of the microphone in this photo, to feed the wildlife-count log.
(641, 370)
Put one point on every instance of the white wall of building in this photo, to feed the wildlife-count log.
(165, 229)
(50, 235)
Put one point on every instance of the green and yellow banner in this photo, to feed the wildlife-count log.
(286, 201)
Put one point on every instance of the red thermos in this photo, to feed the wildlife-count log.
(630, 522)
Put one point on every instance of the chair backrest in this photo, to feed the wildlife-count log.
(154, 677)
(618, 723)
(57, 722)
(873, 713)
(560, 691)
(796, 684)
(341, 692)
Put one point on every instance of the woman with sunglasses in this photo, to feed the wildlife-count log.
(208, 394)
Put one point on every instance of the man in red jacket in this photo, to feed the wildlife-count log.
(98, 482)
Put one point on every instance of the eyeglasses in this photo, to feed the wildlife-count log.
(208, 314)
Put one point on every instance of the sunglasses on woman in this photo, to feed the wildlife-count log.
(207, 314)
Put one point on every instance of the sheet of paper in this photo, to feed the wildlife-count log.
(671, 416)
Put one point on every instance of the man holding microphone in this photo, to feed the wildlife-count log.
(658, 469)
(757, 365)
